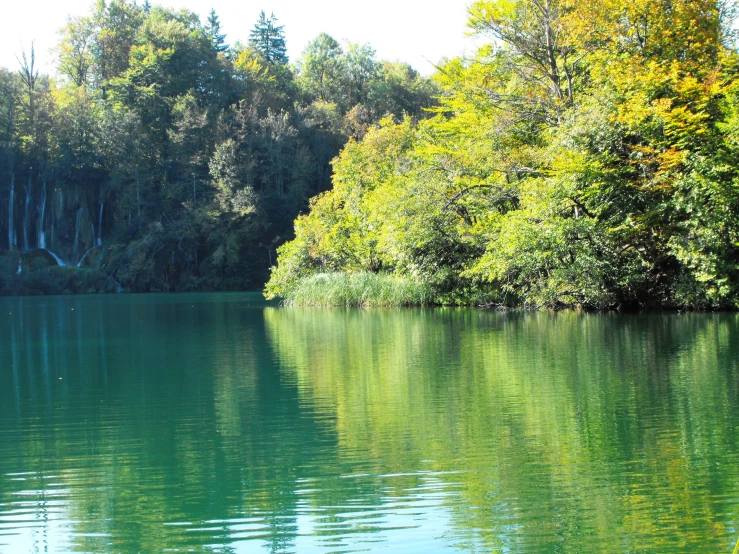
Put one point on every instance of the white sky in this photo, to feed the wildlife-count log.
(408, 30)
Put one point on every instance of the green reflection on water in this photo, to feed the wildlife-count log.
(214, 423)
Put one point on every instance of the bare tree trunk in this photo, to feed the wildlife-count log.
(551, 50)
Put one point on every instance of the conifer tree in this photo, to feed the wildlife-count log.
(213, 28)
(268, 39)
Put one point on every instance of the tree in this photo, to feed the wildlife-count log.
(361, 69)
(117, 25)
(321, 70)
(585, 157)
(268, 39)
(75, 50)
(213, 29)
(180, 156)
(534, 44)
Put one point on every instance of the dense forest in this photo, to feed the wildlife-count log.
(157, 157)
(588, 156)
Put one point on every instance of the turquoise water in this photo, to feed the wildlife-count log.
(219, 423)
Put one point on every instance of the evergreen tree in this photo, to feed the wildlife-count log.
(268, 39)
(213, 28)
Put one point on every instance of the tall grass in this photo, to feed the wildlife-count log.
(358, 290)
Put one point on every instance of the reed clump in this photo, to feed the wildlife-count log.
(358, 290)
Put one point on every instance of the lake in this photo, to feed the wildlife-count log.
(222, 423)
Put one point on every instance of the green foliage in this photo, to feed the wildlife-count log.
(175, 161)
(268, 39)
(363, 88)
(585, 157)
(213, 30)
(358, 290)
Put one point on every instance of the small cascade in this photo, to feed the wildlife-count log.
(118, 287)
(82, 259)
(77, 233)
(20, 267)
(26, 208)
(41, 213)
(57, 258)
(11, 203)
(100, 225)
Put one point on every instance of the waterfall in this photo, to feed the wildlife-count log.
(60, 215)
(20, 267)
(29, 190)
(59, 261)
(82, 259)
(41, 213)
(100, 225)
(11, 226)
(77, 233)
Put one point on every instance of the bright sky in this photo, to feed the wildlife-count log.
(414, 31)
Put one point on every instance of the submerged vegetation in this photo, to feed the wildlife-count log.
(587, 156)
(165, 159)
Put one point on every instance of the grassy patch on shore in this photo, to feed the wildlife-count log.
(358, 290)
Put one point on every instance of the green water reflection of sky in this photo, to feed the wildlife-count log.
(217, 423)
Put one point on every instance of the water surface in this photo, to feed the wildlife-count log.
(218, 423)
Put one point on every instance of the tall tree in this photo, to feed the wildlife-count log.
(117, 25)
(268, 39)
(75, 50)
(361, 68)
(213, 28)
(320, 68)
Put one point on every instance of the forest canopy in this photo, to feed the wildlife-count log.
(588, 155)
(164, 158)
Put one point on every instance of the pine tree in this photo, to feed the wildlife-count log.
(213, 29)
(268, 39)
(147, 6)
